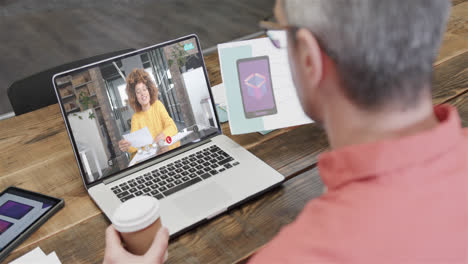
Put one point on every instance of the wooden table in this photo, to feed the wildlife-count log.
(36, 155)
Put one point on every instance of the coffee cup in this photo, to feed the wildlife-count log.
(138, 221)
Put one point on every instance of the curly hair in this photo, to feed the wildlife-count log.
(140, 76)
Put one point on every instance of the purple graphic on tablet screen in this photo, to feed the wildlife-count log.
(255, 80)
(14, 209)
(4, 225)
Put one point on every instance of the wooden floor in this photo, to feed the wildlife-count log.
(37, 35)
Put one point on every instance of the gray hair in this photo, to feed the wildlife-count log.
(383, 49)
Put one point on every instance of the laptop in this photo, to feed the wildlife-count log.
(145, 123)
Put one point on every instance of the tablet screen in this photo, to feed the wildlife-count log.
(18, 211)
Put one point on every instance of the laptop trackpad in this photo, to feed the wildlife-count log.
(202, 200)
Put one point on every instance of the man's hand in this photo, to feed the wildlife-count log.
(124, 145)
(115, 253)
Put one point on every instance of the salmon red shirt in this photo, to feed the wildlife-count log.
(401, 200)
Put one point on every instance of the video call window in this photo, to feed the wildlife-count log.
(14, 209)
(132, 109)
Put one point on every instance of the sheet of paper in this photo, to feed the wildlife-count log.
(37, 256)
(178, 137)
(53, 259)
(219, 94)
(139, 138)
(143, 155)
(30, 257)
(289, 110)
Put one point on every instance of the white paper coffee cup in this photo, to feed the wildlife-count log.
(138, 221)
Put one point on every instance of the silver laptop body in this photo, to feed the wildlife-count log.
(225, 174)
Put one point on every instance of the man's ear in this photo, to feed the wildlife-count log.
(309, 56)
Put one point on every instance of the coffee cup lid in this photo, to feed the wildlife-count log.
(136, 214)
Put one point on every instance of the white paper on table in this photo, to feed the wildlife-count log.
(37, 256)
(177, 137)
(143, 155)
(30, 257)
(219, 94)
(139, 138)
(53, 259)
(288, 106)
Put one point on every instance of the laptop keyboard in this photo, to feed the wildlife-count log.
(177, 175)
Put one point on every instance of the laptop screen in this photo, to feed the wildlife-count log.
(131, 109)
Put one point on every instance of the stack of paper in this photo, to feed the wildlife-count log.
(219, 96)
(139, 138)
(143, 155)
(176, 138)
(259, 90)
(37, 256)
(146, 154)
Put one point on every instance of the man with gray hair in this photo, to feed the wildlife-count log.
(397, 174)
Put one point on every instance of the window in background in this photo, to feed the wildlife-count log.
(123, 94)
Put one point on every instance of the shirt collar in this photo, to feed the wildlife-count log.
(356, 162)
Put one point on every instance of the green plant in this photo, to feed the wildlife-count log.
(85, 100)
(79, 117)
(178, 54)
(90, 116)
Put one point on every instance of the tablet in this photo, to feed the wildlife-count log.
(21, 213)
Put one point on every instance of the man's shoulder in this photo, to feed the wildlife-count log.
(298, 241)
(465, 135)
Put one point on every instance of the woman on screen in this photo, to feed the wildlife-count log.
(149, 111)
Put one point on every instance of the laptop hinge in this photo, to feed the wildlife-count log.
(155, 161)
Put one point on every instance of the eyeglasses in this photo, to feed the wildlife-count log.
(275, 32)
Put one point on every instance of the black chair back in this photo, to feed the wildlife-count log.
(37, 91)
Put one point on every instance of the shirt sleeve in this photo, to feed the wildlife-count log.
(169, 127)
(134, 127)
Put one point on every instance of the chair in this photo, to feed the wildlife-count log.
(37, 91)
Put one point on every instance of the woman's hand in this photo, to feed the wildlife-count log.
(124, 145)
(115, 253)
(159, 137)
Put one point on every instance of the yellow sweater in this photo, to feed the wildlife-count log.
(157, 120)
